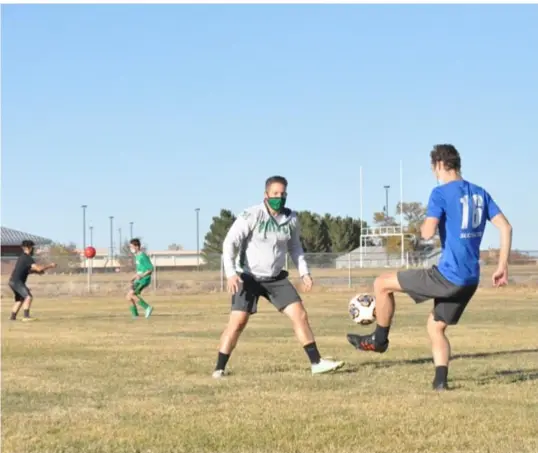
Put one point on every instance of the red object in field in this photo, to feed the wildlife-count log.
(89, 252)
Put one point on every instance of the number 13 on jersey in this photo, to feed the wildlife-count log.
(473, 208)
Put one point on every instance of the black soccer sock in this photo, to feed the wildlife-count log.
(441, 374)
(222, 360)
(13, 316)
(381, 334)
(312, 352)
(27, 313)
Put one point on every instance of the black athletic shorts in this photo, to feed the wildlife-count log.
(450, 300)
(277, 290)
(20, 290)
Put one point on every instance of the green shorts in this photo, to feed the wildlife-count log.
(139, 285)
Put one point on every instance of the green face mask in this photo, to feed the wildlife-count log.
(276, 203)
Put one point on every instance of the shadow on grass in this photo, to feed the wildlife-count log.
(424, 360)
(509, 376)
(500, 377)
(105, 316)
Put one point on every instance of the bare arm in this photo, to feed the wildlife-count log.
(296, 251)
(434, 212)
(504, 227)
(429, 228)
(39, 269)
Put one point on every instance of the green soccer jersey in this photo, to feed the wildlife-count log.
(143, 264)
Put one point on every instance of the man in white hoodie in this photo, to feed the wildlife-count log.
(263, 235)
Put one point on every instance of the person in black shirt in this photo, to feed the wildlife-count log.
(17, 282)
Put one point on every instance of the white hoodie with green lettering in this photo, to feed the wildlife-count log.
(261, 242)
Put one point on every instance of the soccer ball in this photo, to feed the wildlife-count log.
(362, 309)
(89, 252)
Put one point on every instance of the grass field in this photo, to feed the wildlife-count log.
(169, 283)
(86, 378)
(318, 272)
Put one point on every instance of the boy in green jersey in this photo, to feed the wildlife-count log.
(140, 281)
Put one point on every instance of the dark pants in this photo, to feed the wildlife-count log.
(20, 290)
(278, 290)
(450, 300)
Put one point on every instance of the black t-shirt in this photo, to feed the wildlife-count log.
(22, 268)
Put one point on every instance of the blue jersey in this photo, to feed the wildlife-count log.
(463, 210)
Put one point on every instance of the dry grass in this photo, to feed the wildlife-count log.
(203, 282)
(318, 272)
(86, 378)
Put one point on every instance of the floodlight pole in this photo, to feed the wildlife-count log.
(386, 218)
(111, 239)
(197, 238)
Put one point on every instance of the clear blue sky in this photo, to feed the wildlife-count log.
(148, 112)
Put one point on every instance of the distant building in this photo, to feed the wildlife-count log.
(162, 259)
(377, 256)
(372, 256)
(10, 241)
(10, 245)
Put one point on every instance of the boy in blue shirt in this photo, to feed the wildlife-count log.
(460, 210)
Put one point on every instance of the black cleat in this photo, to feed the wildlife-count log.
(440, 386)
(367, 343)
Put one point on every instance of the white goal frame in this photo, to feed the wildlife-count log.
(383, 231)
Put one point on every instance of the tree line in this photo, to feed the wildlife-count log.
(319, 233)
(325, 233)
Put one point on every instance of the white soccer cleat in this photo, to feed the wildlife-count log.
(28, 319)
(218, 374)
(326, 366)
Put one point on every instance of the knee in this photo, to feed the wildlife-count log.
(380, 284)
(436, 328)
(237, 326)
(300, 316)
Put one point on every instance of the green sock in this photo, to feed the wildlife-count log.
(133, 309)
(142, 303)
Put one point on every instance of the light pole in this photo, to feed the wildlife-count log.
(386, 201)
(197, 238)
(111, 237)
(84, 206)
(131, 229)
(386, 218)
(91, 235)
(120, 251)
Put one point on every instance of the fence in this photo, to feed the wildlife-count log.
(332, 271)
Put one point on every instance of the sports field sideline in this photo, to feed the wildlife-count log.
(171, 283)
(86, 378)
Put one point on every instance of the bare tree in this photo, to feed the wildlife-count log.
(65, 256)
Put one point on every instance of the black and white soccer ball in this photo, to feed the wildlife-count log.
(362, 309)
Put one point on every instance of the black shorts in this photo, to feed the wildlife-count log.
(20, 290)
(450, 300)
(278, 290)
